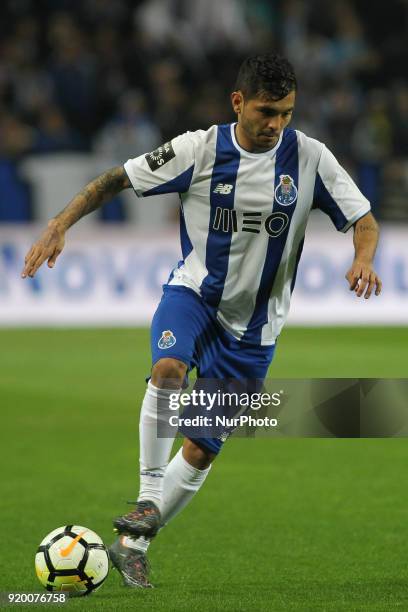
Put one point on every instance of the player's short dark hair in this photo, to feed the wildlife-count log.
(269, 75)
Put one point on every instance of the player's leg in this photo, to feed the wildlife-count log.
(187, 471)
(156, 440)
(184, 477)
(189, 468)
(178, 321)
(128, 554)
(234, 366)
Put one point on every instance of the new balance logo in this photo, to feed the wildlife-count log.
(223, 188)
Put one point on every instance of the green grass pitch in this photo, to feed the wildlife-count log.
(281, 524)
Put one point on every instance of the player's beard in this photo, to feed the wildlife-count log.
(253, 132)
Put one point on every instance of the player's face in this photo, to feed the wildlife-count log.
(261, 120)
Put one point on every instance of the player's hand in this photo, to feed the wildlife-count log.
(47, 247)
(362, 278)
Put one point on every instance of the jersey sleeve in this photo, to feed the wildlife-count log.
(336, 194)
(167, 169)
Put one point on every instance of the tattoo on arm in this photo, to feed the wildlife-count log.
(366, 227)
(105, 186)
(97, 192)
(366, 237)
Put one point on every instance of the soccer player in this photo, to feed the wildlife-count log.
(246, 191)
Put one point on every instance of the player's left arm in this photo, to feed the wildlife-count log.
(362, 276)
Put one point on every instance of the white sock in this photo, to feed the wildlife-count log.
(139, 544)
(155, 451)
(181, 483)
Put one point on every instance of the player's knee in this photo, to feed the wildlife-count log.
(168, 373)
(197, 456)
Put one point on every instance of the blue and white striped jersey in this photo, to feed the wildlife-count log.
(243, 218)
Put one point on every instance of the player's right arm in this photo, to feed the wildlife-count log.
(93, 195)
(168, 169)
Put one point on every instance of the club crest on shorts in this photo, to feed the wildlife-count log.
(286, 192)
(167, 340)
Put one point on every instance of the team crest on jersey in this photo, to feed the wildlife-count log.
(286, 192)
(167, 340)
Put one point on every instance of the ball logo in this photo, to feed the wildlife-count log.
(286, 192)
(64, 552)
(167, 339)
